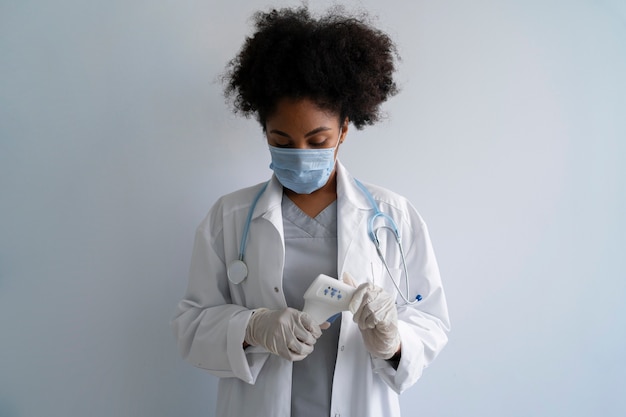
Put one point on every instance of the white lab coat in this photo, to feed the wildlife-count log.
(211, 320)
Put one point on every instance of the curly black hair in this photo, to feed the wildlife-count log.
(341, 62)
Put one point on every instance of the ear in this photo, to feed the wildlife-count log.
(344, 129)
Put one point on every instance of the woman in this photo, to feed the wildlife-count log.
(306, 80)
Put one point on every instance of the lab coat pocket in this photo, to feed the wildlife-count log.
(256, 356)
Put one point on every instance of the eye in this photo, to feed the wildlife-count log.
(319, 142)
(279, 142)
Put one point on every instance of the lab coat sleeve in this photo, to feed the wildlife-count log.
(210, 329)
(423, 326)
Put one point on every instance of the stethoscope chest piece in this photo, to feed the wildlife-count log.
(237, 271)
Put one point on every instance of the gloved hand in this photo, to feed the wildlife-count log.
(288, 333)
(375, 312)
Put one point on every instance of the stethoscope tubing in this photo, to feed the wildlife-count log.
(237, 270)
(246, 229)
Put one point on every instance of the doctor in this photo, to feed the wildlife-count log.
(306, 80)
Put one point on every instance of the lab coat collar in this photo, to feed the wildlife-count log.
(269, 205)
(347, 190)
(352, 207)
(347, 193)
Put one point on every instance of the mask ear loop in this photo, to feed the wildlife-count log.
(339, 142)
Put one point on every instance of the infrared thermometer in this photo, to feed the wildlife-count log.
(325, 297)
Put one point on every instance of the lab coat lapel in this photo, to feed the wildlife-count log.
(352, 209)
(269, 204)
(266, 254)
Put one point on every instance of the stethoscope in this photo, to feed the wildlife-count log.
(237, 270)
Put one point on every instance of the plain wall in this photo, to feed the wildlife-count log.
(508, 136)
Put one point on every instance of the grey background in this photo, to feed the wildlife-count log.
(508, 136)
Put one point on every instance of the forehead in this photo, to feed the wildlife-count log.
(300, 114)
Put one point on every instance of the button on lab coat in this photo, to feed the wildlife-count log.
(211, 319)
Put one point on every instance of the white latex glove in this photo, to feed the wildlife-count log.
(376, 315)
(288, 333)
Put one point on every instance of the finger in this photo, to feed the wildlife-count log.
(357, 297)
(380, 345)
(380, 308)
(383, 307)
(366, 318)
(365, 315)
(347, 278)
(295, 357)
(309, 324)
(305, 336)
(298, 348)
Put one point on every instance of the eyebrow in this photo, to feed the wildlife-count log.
(311, 133)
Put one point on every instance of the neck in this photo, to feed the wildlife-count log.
(313, 204)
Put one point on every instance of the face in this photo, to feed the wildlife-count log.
(301, 124)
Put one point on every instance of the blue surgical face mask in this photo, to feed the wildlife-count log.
(303, 170)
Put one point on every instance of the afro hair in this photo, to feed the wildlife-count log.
(339, 61)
